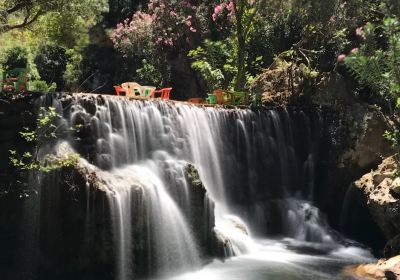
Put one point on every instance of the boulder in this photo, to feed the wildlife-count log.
(385, 269)
(65, 228)
(378, 188)
(281, 84)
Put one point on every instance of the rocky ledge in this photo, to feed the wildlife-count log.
(381, 188)
(64, 230)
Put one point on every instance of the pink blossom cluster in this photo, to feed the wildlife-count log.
(360, 32)
(220, 8)
(174, 21)
(342, 56)
(168, 24)
(129, 32)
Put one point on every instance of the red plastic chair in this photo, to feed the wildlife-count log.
(155, 94)
(164, 93)
(119, 90)
(196, 100)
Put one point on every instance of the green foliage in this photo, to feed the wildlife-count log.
(42, 86)
(17, 14)
(15, 58)
(65, 24)
(152, 73)
(215, 63)
(377, 65)
(48, 126)
(137, 40)
(73, 70)
(51, 63)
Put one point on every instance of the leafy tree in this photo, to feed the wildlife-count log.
(17, 14)
(15, 58)
(378, 65)
(244, 14)
(51, 63)
(215, 63)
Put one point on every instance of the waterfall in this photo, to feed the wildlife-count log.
(257, 166)
(166, 229)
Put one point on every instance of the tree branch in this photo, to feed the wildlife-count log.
(27, 21)
(19, 6)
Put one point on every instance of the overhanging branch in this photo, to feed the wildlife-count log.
(19, 6)
(27, 21)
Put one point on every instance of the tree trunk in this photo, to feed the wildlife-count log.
(241, 52)
(241, 65)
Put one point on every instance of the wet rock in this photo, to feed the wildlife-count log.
(395, 186)
(75, 238)
(193, 175)
(383, 202)
(66, 100)
(89, 103)
(104, 161)
(282, 84)
(353, 145)
(201, 215)
(392, 248)
(384, 270)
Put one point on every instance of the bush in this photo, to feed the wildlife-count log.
(15, 58)
(42, 86)
(73, 70)
(376, 65)
(135, 39)
(214, 61)
(51, 63)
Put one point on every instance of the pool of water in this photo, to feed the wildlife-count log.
(283, 260)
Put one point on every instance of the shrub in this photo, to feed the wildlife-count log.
(42, 86)
(15, 58)
(376, 65)
(135, 39)
(214, 61)
(73, 70)
(51, 63)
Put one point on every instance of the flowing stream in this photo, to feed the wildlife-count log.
(257, 167)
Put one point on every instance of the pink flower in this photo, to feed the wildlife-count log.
(355, 51)
(217, 11)
(341, 58)
(231, 8)
(193, 29)
(360, 32)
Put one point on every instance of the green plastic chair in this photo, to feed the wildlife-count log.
(212, 99)
(148, 91)
(17, 78)
(239, 97)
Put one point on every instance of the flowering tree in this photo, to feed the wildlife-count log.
(135, 36)
(166, 28)
(168, 24)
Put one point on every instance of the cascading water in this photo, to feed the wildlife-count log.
(166, 228)
(256, 164)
